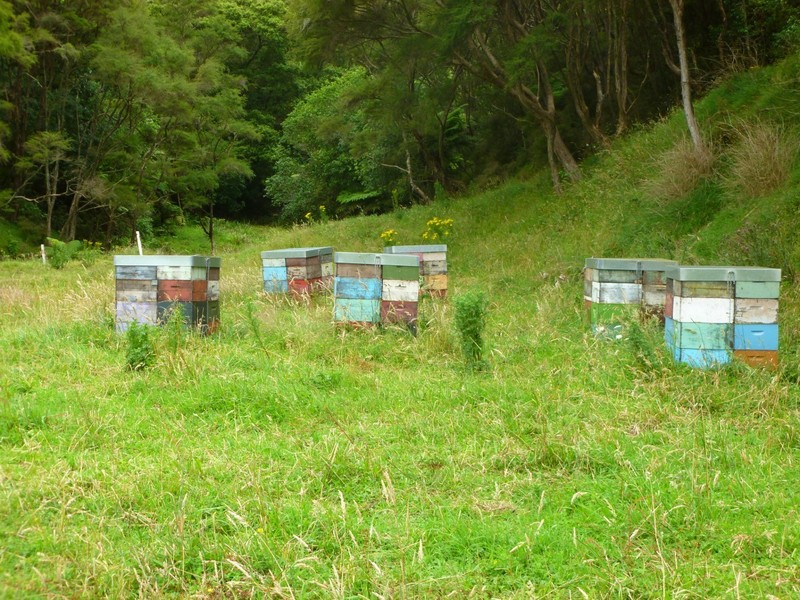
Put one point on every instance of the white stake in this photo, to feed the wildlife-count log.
(139, 242)
(44, 256)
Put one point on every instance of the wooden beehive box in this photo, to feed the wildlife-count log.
(717, 313)
(150, 288)
(616, 289)
(376, 288)
(299, 271)
(432, 266)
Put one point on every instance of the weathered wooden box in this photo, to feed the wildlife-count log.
(376, 288)
(714, 314)
(617, 289)
(432, 266)
(149, 289)
(299, 271)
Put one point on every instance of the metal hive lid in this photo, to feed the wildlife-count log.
(165, 260)
(297, 252)
(630, 264)
(723, 273)
(417, 249)
(370, 258)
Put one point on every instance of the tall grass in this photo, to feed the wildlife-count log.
(681, 169)
(761, 158)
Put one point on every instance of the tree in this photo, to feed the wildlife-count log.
(12, 48)
(44, 153)
(209, 139)
(315, 162)
(507, 44)
(686, 83)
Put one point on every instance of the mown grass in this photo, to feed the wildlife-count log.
(285, 457)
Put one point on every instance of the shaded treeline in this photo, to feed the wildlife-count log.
(141, 114)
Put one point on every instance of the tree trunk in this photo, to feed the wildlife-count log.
(492, 71)
(547, 120)
(620, 37)
(70, 228)
(211, 226)
(50, 198)
(577, 58)
(554, 174)
(565, 157)
(412, 184)
(686, 83)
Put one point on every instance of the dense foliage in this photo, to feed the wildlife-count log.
(137, 115)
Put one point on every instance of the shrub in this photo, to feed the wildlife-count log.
(140, 350)
(470, 321)
(61, 252)
(681, 169)
(761, 158)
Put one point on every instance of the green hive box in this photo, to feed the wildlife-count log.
(151, 288)
(617, 289)
(715, 314)
(374, 288)
(298, 271)
(432, 266)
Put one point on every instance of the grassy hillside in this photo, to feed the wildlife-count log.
(285, 457)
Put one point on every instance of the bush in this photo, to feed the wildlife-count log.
(761, 159)
(470, 321)
(140, 350)
(681, 169)
(61, 252)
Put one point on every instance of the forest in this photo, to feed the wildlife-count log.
(148, 114)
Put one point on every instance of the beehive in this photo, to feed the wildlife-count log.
(150, 288)
(616, 289)
(714, 314)
(376, 288)
(432, 266)
(300, 271)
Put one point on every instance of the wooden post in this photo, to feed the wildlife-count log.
(139, 242)
(44, 256)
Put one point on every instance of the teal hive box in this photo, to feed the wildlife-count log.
(432, 265)
(714, 314)
(376, 288)
(617, 289)
(299, 271)
(149, 289)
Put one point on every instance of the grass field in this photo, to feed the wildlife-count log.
(285, 457)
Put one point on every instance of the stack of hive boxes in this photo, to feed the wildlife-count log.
(615, 289)
(301, 271)
(716, 313)
(373, 288)
(151, 288)
(432, 266)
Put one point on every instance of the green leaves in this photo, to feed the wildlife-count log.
(470, 321)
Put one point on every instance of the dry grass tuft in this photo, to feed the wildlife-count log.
(681, 169)
(761, 158)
